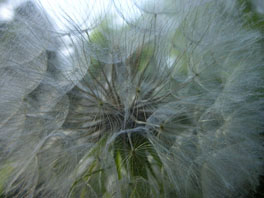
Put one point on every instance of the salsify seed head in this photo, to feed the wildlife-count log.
(145, 99)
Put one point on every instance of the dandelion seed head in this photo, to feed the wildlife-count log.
(130, 99)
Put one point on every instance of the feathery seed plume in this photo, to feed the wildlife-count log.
(146, 99)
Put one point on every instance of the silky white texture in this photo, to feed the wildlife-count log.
(169, 104)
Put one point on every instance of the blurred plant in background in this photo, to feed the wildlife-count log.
(168, 103)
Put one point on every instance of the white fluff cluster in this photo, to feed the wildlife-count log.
(167, 103)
